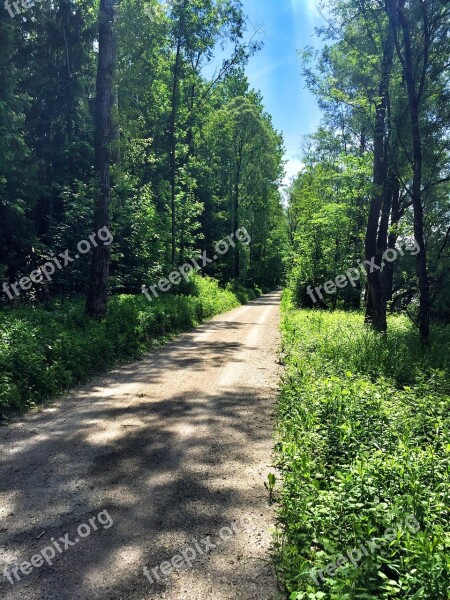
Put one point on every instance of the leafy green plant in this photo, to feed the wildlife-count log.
(269, 484)
(364, 440)
(44, 351)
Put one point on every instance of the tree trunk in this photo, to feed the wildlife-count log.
(173, 151)
(375, 303)
(415, 93)
(396, 215)
(235, 227)
(187, 186)
(235, 205)
(97, 299)
(115, 120)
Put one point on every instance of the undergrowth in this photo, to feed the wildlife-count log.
(45, 350)
(364, 444)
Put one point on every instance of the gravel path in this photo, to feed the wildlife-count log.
(159, 464)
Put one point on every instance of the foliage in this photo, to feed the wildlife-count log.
(366, 150)
(364, 428)
(326, 201)
(172, 127)
(45, 350)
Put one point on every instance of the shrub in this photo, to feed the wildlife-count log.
(44, 351)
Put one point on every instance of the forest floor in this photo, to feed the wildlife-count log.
(174, 448)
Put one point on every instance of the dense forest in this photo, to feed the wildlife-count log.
(377, 171)
(141, 193)
(163, 143)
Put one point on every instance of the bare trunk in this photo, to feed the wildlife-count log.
(415, 93)
(97, 299)
(115, 127)
(235, 207)
(235, 227)
(173, 152)
(376, 303)
(396, 214)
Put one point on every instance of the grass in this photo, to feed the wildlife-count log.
(364, 443)
(44, 351)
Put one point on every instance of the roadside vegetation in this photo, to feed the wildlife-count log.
(364, 414)
(46, 349)
(364, 429)
(171, 162)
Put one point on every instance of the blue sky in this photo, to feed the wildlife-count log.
(286, 27)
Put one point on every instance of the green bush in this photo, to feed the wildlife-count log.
(44, 351)
(364, 427)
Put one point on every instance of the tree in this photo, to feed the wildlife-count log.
(248, 153)
(374, 244)
(415, 76)
(97, 299)
(383, 57)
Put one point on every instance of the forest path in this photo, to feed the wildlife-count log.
(174, 447)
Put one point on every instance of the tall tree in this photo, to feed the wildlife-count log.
(415, 77)
(376, 301)
(97, 299)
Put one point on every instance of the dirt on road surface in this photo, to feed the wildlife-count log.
(159, 464)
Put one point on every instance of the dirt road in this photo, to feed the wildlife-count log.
(159, 464)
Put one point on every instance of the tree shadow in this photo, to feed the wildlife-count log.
(168, 472)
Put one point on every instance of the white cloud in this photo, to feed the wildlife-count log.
(293, 167)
